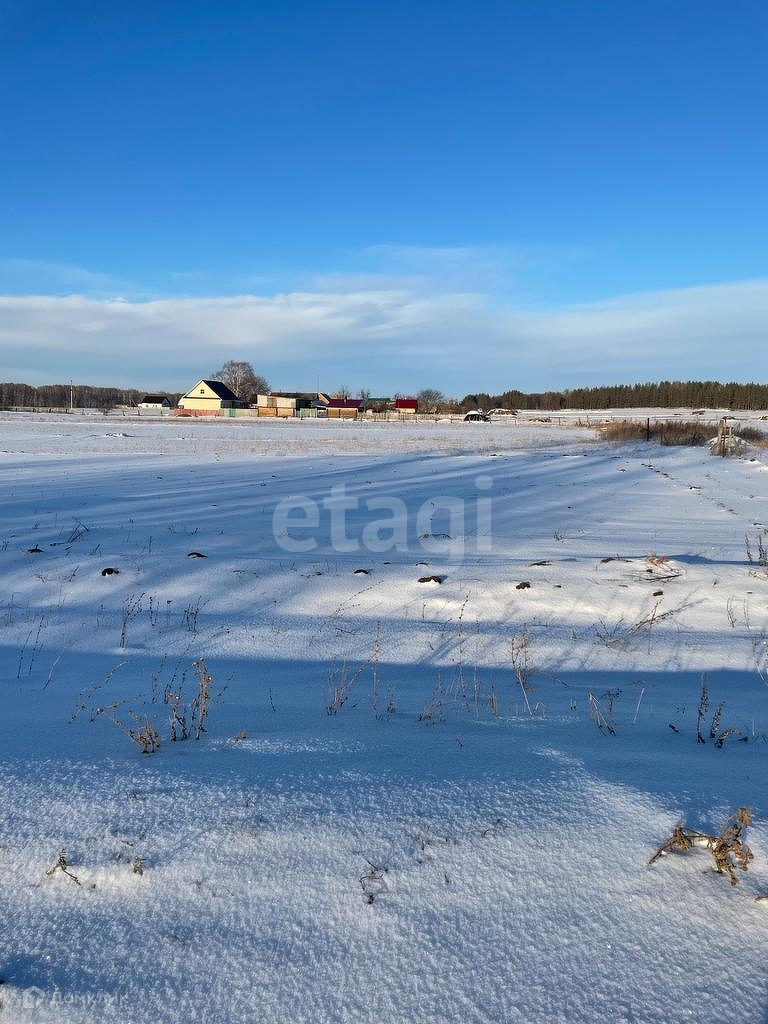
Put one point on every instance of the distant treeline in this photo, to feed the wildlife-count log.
(664, 394)
(61, 396)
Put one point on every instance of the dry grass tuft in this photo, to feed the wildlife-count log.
(667, 432)
(728, 848)
(688, 433)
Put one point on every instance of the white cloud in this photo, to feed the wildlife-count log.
(399, 338)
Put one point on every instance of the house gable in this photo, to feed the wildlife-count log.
(209, 395)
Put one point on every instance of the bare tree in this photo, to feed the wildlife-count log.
(430, 399)
(240, 378)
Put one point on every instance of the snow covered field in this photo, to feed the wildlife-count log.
(412, 801)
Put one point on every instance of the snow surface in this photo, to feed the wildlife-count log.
(447, 846)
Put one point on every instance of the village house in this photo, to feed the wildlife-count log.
(209, 398)
(155, 402)
(214, 398)
(289, 403)
(344, 408)
(406, 406)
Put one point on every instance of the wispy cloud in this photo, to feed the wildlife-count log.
(432, 258)
(412, 333)
(486, 267)
(44, 277)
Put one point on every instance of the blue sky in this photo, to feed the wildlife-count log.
(469, 196)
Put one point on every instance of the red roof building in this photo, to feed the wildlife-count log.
(344, 408)
(344, 403)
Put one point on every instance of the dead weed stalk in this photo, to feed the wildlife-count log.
(621, 635)
(603, 719)
(188, 720)
(519, 654)
(717, 734)
(63, 866)
(341, 682)
(758, 559)
(727, 847)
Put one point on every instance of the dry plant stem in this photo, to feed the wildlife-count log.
(191, 613)
(341, 683)
(145, 735)
(370, 879)
(179, 724)
(519, 651)
(620, 634)
(461, 652)
(599, 717)
(759, 561)
(377, 712)
(728, 848)
(187, 720)
(637, 709)
(36, 647)
(493, 703)
(67, 646)
(62, 865)
(131, 608)
(202, 700)
(703, 706)
(434, 710)
(716, 734)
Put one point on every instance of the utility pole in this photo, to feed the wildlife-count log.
(71, 396)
